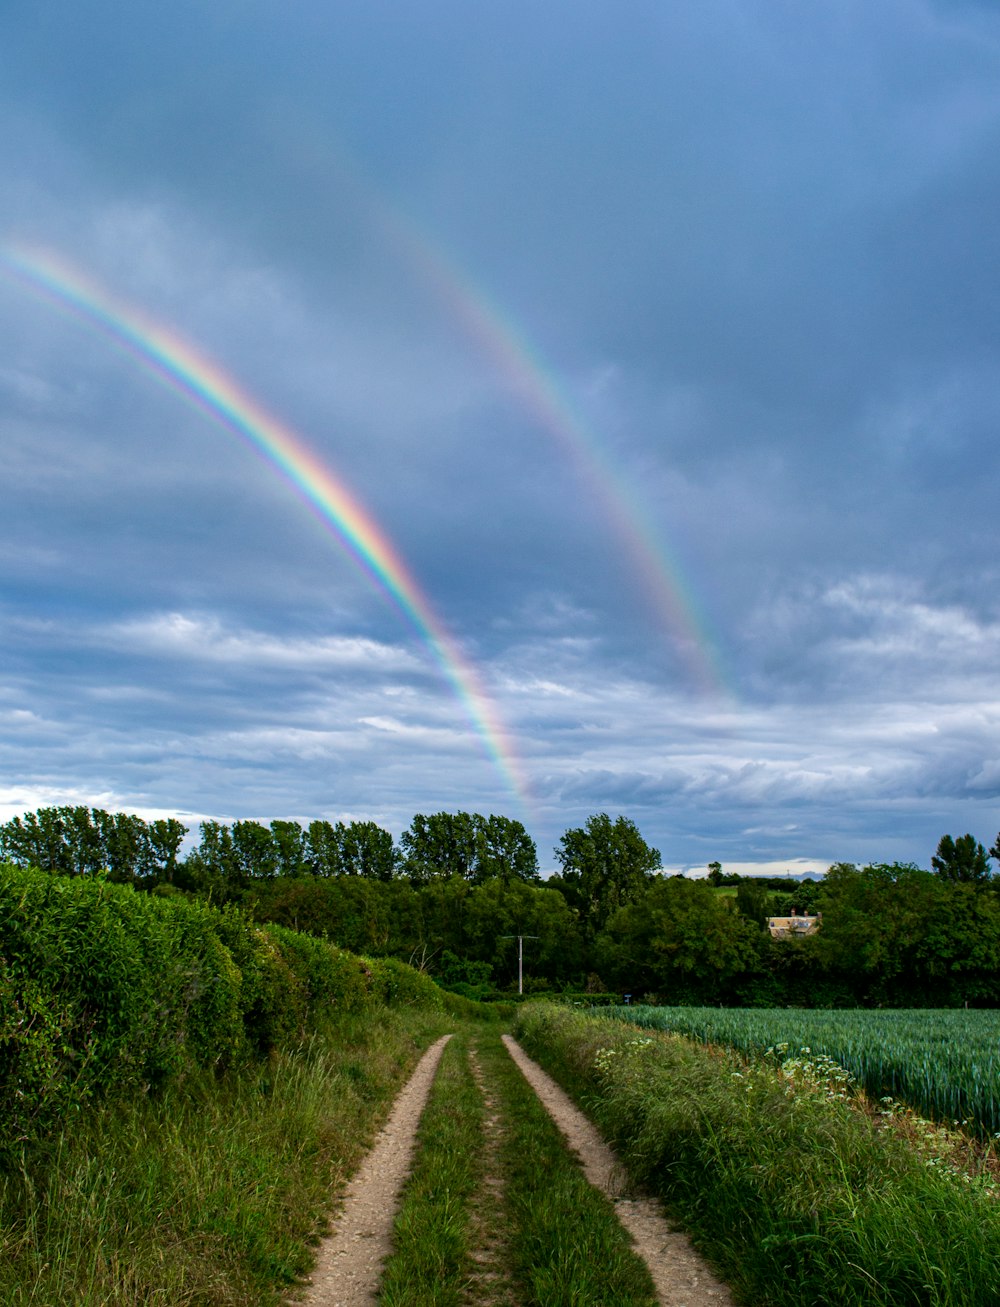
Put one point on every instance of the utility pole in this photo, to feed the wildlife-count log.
(520, 957)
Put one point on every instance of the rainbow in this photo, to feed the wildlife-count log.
(536, 384)
(203, 383)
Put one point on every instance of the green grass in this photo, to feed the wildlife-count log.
(430, 1261)
(568, 1246)
(544, 1236)
(212, 1193)
(944, 1062)
(797, 1197)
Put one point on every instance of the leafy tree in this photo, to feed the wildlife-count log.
(715, 874)
(680, 940)
(289, 843)
(367, 850)
(212, 866)
(753, 901)
(322, 849)
(497, 909)
(256, 851)
(504, 849)
(439, 846)
(38, 840)
(166, 835)
(605, 864)
(961, 860)
(126, 848)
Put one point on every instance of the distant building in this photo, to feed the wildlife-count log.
(795, 926)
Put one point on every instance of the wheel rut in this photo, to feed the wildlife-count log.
(349, 1264)
(680, 1275)
(350, 1261)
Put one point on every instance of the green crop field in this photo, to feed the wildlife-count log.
(943, 1062)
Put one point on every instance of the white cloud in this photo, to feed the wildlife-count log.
(205, 638)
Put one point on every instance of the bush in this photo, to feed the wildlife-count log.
(105, 992)
(393, 983)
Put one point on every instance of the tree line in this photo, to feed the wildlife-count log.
(458, 888)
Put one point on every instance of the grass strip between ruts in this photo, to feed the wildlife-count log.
(563, 1244)
(430, 1258)
(568, 1247)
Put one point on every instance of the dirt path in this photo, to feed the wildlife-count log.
(349, 1264)
(681, 1277)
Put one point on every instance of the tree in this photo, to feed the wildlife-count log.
(605, 864)
(322, 849)
(367, 850)
(504, 849)
(753, 901)
(125, 846)
(680, 940)
(289, 842)
(715, 874)
(255, 849)
(961, 861)
(212, 866)
(166, 835)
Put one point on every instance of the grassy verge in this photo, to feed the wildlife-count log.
(539, 1234)
(796, 1197)
(212, 1192)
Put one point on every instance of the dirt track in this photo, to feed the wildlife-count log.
(349, 1264)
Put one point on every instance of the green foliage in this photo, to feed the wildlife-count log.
(963, 860)
(211, 1192)
(395, 984)
(902, 937)
(469, 846)
(605, 865)
(753, 902)
(678, 939)
(81, 841)
(945, 1063)
(795, 1196)
(105, 993)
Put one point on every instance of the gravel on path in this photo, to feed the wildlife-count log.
(349, 1264)
(681, 1277)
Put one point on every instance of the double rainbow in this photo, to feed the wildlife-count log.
(204, 384)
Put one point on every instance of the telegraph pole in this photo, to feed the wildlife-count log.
(520, 957)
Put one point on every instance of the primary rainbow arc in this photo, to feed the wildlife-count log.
(201, 381)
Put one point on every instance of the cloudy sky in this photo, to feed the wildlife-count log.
(658, 340)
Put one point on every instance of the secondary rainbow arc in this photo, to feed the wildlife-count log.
(540, 392)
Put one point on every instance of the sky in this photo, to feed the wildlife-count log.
(539, 408)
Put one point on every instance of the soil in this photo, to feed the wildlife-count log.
(681, 1277)
(349, 1264)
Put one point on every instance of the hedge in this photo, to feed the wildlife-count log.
(107, 992)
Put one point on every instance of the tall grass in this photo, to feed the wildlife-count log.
(796, 1197)
(212, 1192)
(944, 1062)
